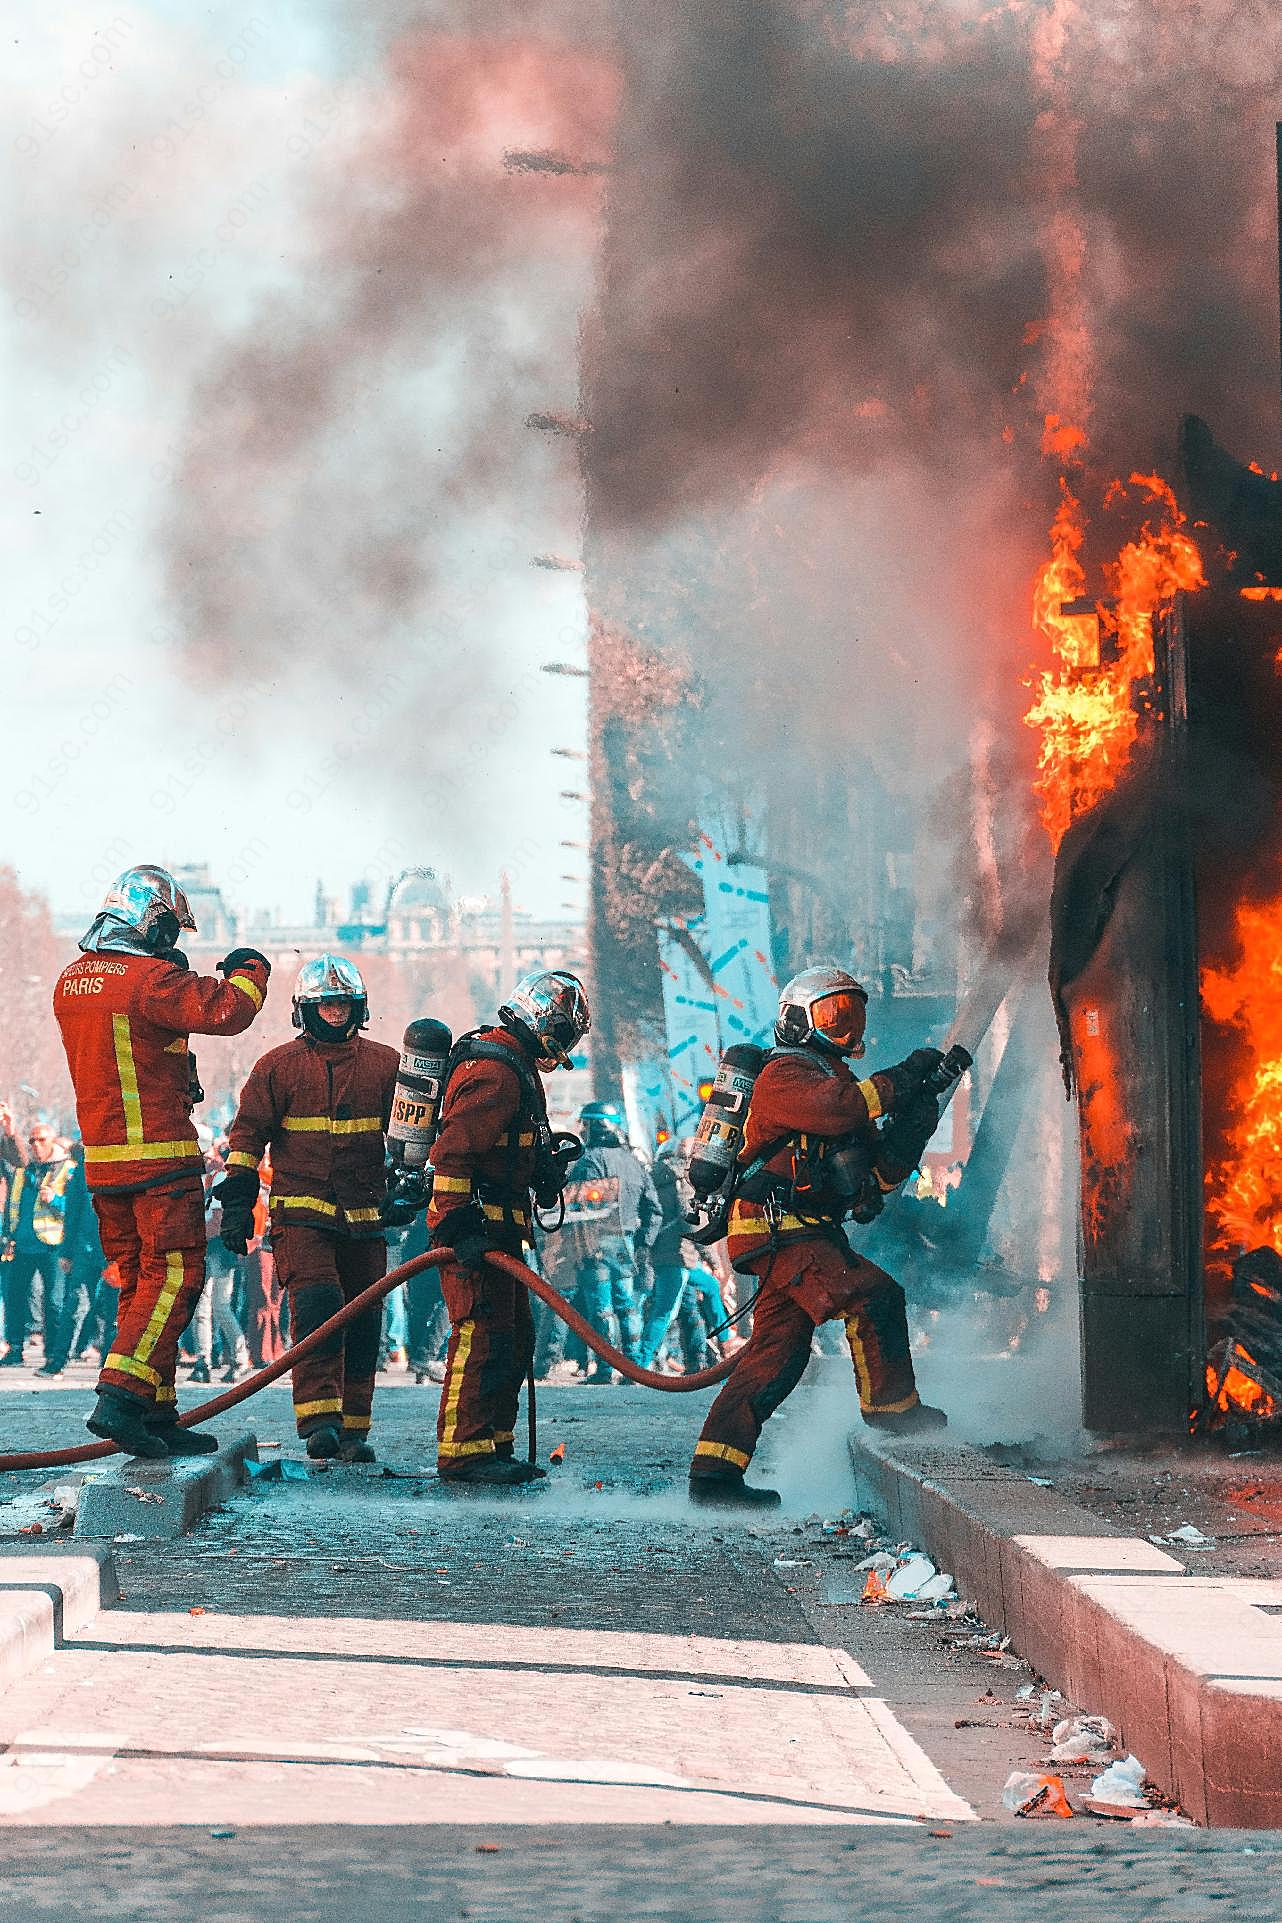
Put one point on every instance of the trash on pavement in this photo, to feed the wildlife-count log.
(1191, 1536)
(1040, 1482)
(1029, 1795)
(1161, 1819)
(1082, 1739)
(264, 1471)
(127, 1538)
(841, 1586)
(874, 1591)
(1121, 1784)
(909, 1577)
(883, 1562)
(558, 1454)
(936, 1589)
(292, 1471)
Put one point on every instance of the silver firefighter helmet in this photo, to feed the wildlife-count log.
(823, 1007)
(142, 914)
(330, 978)
(549, 1010)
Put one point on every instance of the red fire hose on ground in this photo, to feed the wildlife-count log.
(218, 1405)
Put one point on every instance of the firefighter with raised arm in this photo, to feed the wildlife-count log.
(320, 1105)
(126, 1010)
(493, 1159)
(810, 1122)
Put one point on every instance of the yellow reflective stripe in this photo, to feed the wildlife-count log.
(128, 1073)
(872, 1098)
(164, 1394)
(495, 1212)
(331, 1406)
(862, 1379)
(164, 1305)
(126, 1365)
(505, 1140)
(453, 1449)
(329, 1125)
(360, 1125)
(141, 1151)
(363, 1215)
(723, 1453)
(304, 1202)
(891, 1408)
(310, 1124)
(358, 1423)
(454, 1389)
(505, 1435)
(451, 1185)
(247, 987)
(241, 1158)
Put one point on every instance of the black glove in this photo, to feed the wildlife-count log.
(906, 1077)
(237, 959)
(563, 1152)
(905, 1136)
(467, 1232)
(408, 1191)
(236, 1195)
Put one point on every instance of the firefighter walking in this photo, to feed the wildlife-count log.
(125, 1010)
(320, 1105)
(494, 1158)
(784, 1227)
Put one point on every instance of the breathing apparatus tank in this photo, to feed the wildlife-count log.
(719, 1136)
(416, 1100)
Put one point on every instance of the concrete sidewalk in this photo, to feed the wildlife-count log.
(1188, 1667)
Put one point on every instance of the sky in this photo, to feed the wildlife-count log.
(172, 169)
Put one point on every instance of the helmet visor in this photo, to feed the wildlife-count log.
(840, 1018)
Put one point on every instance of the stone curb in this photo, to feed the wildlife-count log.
(158, 1500)
(1188, 1668)
(43, 1596)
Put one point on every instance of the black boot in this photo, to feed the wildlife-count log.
(730, 1491)
(487, 1472)
(354, 1448)
(917, 1421)
(324, 1443)
(182, 1442)
(122, 1420)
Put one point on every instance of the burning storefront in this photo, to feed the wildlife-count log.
(1160, 778)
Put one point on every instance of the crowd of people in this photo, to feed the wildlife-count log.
(636, 1275)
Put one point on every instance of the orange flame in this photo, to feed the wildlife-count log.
(875, 1590)
(1085, 705)
(1235, 1389)
(1244, 1183)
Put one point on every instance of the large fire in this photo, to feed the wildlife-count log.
(1086, 706)
(1244, 1182)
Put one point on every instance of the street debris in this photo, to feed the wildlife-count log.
(558, 1454)
(143, 1495)
(1029, 1795)
(1082, 1739)
(1120, 1786)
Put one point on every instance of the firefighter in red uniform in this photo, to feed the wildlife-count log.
(321, 1104)
(126, 1010)
(495, 1152)
(784, 1227)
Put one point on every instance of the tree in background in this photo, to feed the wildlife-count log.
(33, 1070)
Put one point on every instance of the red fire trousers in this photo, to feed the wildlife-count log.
(803, 1285)
(156, 1237)
(334, 1386)
(490, 1353)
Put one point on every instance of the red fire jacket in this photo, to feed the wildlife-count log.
(125, 1022)
(485, 1149)
(322, 1108)
(800, 1093)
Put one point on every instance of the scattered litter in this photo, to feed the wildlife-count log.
(264, 1471)
(127, 1538)
(936, 1589)
(1029, 1795)
(1040, 1482)
(1161, 1819)
(488, 1849)
(67, 1497)
(143, 1495)
(293, 1471)
(1026, 1692)
(1121, 1785)
(197, 1609)
(32, 1529)
(789, 1562)
(222, 1833)
(909, 1577)
(557, 1455)
(883, 1562)
(1190, 1536)
(874, 1591)
(1082, 1739)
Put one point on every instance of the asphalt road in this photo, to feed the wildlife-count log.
(589, 1702)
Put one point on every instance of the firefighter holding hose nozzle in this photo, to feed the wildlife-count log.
(812, 1153)
(126, 1010)
(495, 1158)
(321, 1105)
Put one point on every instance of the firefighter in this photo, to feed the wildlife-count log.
(321, 1104)
(784, 1227)
(36, 1219)
(493, 1155)
(126, 1010)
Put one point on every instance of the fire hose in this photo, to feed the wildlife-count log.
(368, 1299)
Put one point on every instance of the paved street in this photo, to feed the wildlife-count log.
(364, 1654)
